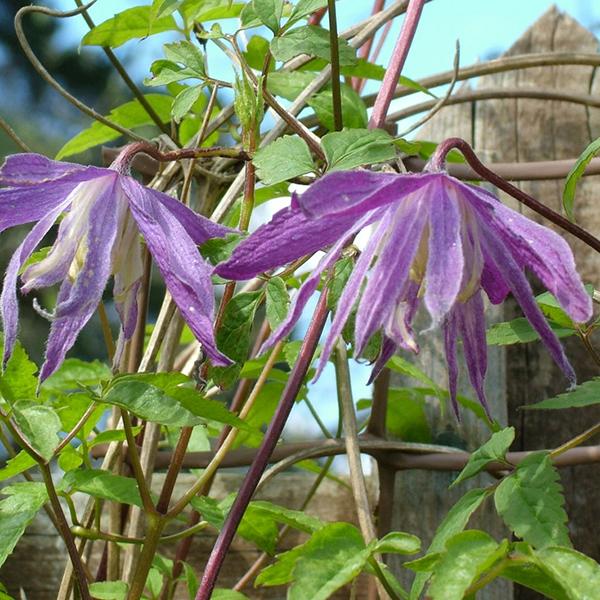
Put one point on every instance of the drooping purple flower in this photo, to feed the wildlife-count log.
(435, 241)
(99, 236)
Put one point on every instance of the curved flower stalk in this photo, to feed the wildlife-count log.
(435, 241)
(105, 211)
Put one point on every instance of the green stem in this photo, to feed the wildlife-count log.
(576, 441)
(336, 92)
(65, 533)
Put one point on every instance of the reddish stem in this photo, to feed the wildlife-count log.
(317, 16)
(365, 50)
(269, 442)
(388, 87)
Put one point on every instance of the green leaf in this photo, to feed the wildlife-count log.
(311, 40)
(398, 542)
(19, 464)
(74, 374)
(530, 502)
(586, 394)
(109, 590)
(288, 84)
(184, 101)
(69, 459)
(298, 161)
(130, 24)
(269, 12)
(222, 594)
(163, 8)
(71, 407)
(166, 398)
(405, 367)
(578, 573)
(190, 579)
(352, 148)
(354, 110)
(234, 335)
(277, 301)
(16, 513)
(217, 250)
(575, 175)
(341, 273)
(493, 450)
(209, 10)
(294, 518)
(188, 55)
(304, 8)
(467, 556)
(103, 484)
(331, 558)
(39, 424)
(406, 418)
(131, 114)
(519, 331)
(454, 522)
(18, 382)
(552, 309)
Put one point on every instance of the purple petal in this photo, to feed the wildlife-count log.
(186, 275)
(78, 301)
(513, 275)
(30, 203)
(542, 250)
(288, 236)
(445, 264)
(450, 333)
(399, 324)
(492, 281)
(356, 192)
(388, 349)
(388, 277)
(9, 305)
(29, 169)
(352, 291)
(199, 228)
(471, 322)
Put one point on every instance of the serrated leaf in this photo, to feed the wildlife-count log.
(530, 575)
(586, 394)
(288, 84)
(18, 382)
(493, 450)
(454, 522)
(575, 175)
(298, 161)
(184, 101)
(354, 110)
(109, 590)
(277, 301)
(103, 484)
(304, 8)
(269, 13)
(39, 424)
(352, 148)
(467, 556)
(234, 335)
(163, 8)
(131, 114)
(552, 309)
(133, 23)
(578, 573)
(531, 503)
(519, 331)
(186, 54)
(16, 465)
(69, 459)
(75, 373)
(209, 10)
(294, 518)
(405, 367)
(16, 513)
(311, 40)
(398, 542)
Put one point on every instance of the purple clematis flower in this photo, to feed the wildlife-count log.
(105, 211)
(435, 240)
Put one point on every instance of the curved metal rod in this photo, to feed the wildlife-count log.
(39, 67)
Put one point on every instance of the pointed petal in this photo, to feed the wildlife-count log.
(356, 192)
(445, 263)
(450, 333)
(388, 349)
(352, 291)
(399, 325)
(492, 281)
(199, 228)
(289, 235)
(542, 250)
(471, 322)
(185, 273)
(391, 271)
(514, 277)
(9, 304)
(78, 301)
(30, 203)
(28, 169)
